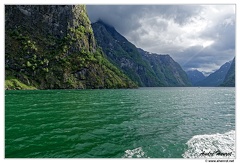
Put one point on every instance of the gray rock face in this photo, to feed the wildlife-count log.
(54, 20)
(51, 19)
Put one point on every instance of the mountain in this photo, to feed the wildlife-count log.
(195, 76)
(124, 55)
(166, 69)
(53, 47)
(140, 67)
(229, 80)
(216, 78)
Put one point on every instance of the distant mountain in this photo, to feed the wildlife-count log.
(195, 76)
(166, 69)
(229, 80)
(135, 63)
(216, 78)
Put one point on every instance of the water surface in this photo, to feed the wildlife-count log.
(145, 122)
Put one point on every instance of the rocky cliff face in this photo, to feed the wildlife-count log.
(144, 69)
(53, 46)
(52, 21)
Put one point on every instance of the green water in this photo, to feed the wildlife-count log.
(145, 122)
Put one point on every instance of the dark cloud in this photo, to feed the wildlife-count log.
(197, 36)
(123, 18)
(126, 17)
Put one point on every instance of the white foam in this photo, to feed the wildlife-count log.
(135, 153)
(211, 146)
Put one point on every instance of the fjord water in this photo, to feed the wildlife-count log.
(145, 122)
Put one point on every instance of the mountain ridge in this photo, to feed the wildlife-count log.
(216, 78)
(166, 69)
(128, 58)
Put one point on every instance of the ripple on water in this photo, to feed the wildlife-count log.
(134, 123)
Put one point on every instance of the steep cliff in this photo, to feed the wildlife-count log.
(143, 68)
(53, 47)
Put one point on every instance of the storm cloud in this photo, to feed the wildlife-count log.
(196, 36)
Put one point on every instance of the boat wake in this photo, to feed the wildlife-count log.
(211, 146)
(135, 153)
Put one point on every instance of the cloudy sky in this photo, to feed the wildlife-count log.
(196, 36)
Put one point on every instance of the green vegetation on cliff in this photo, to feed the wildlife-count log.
(13, 83)
(53, 47)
